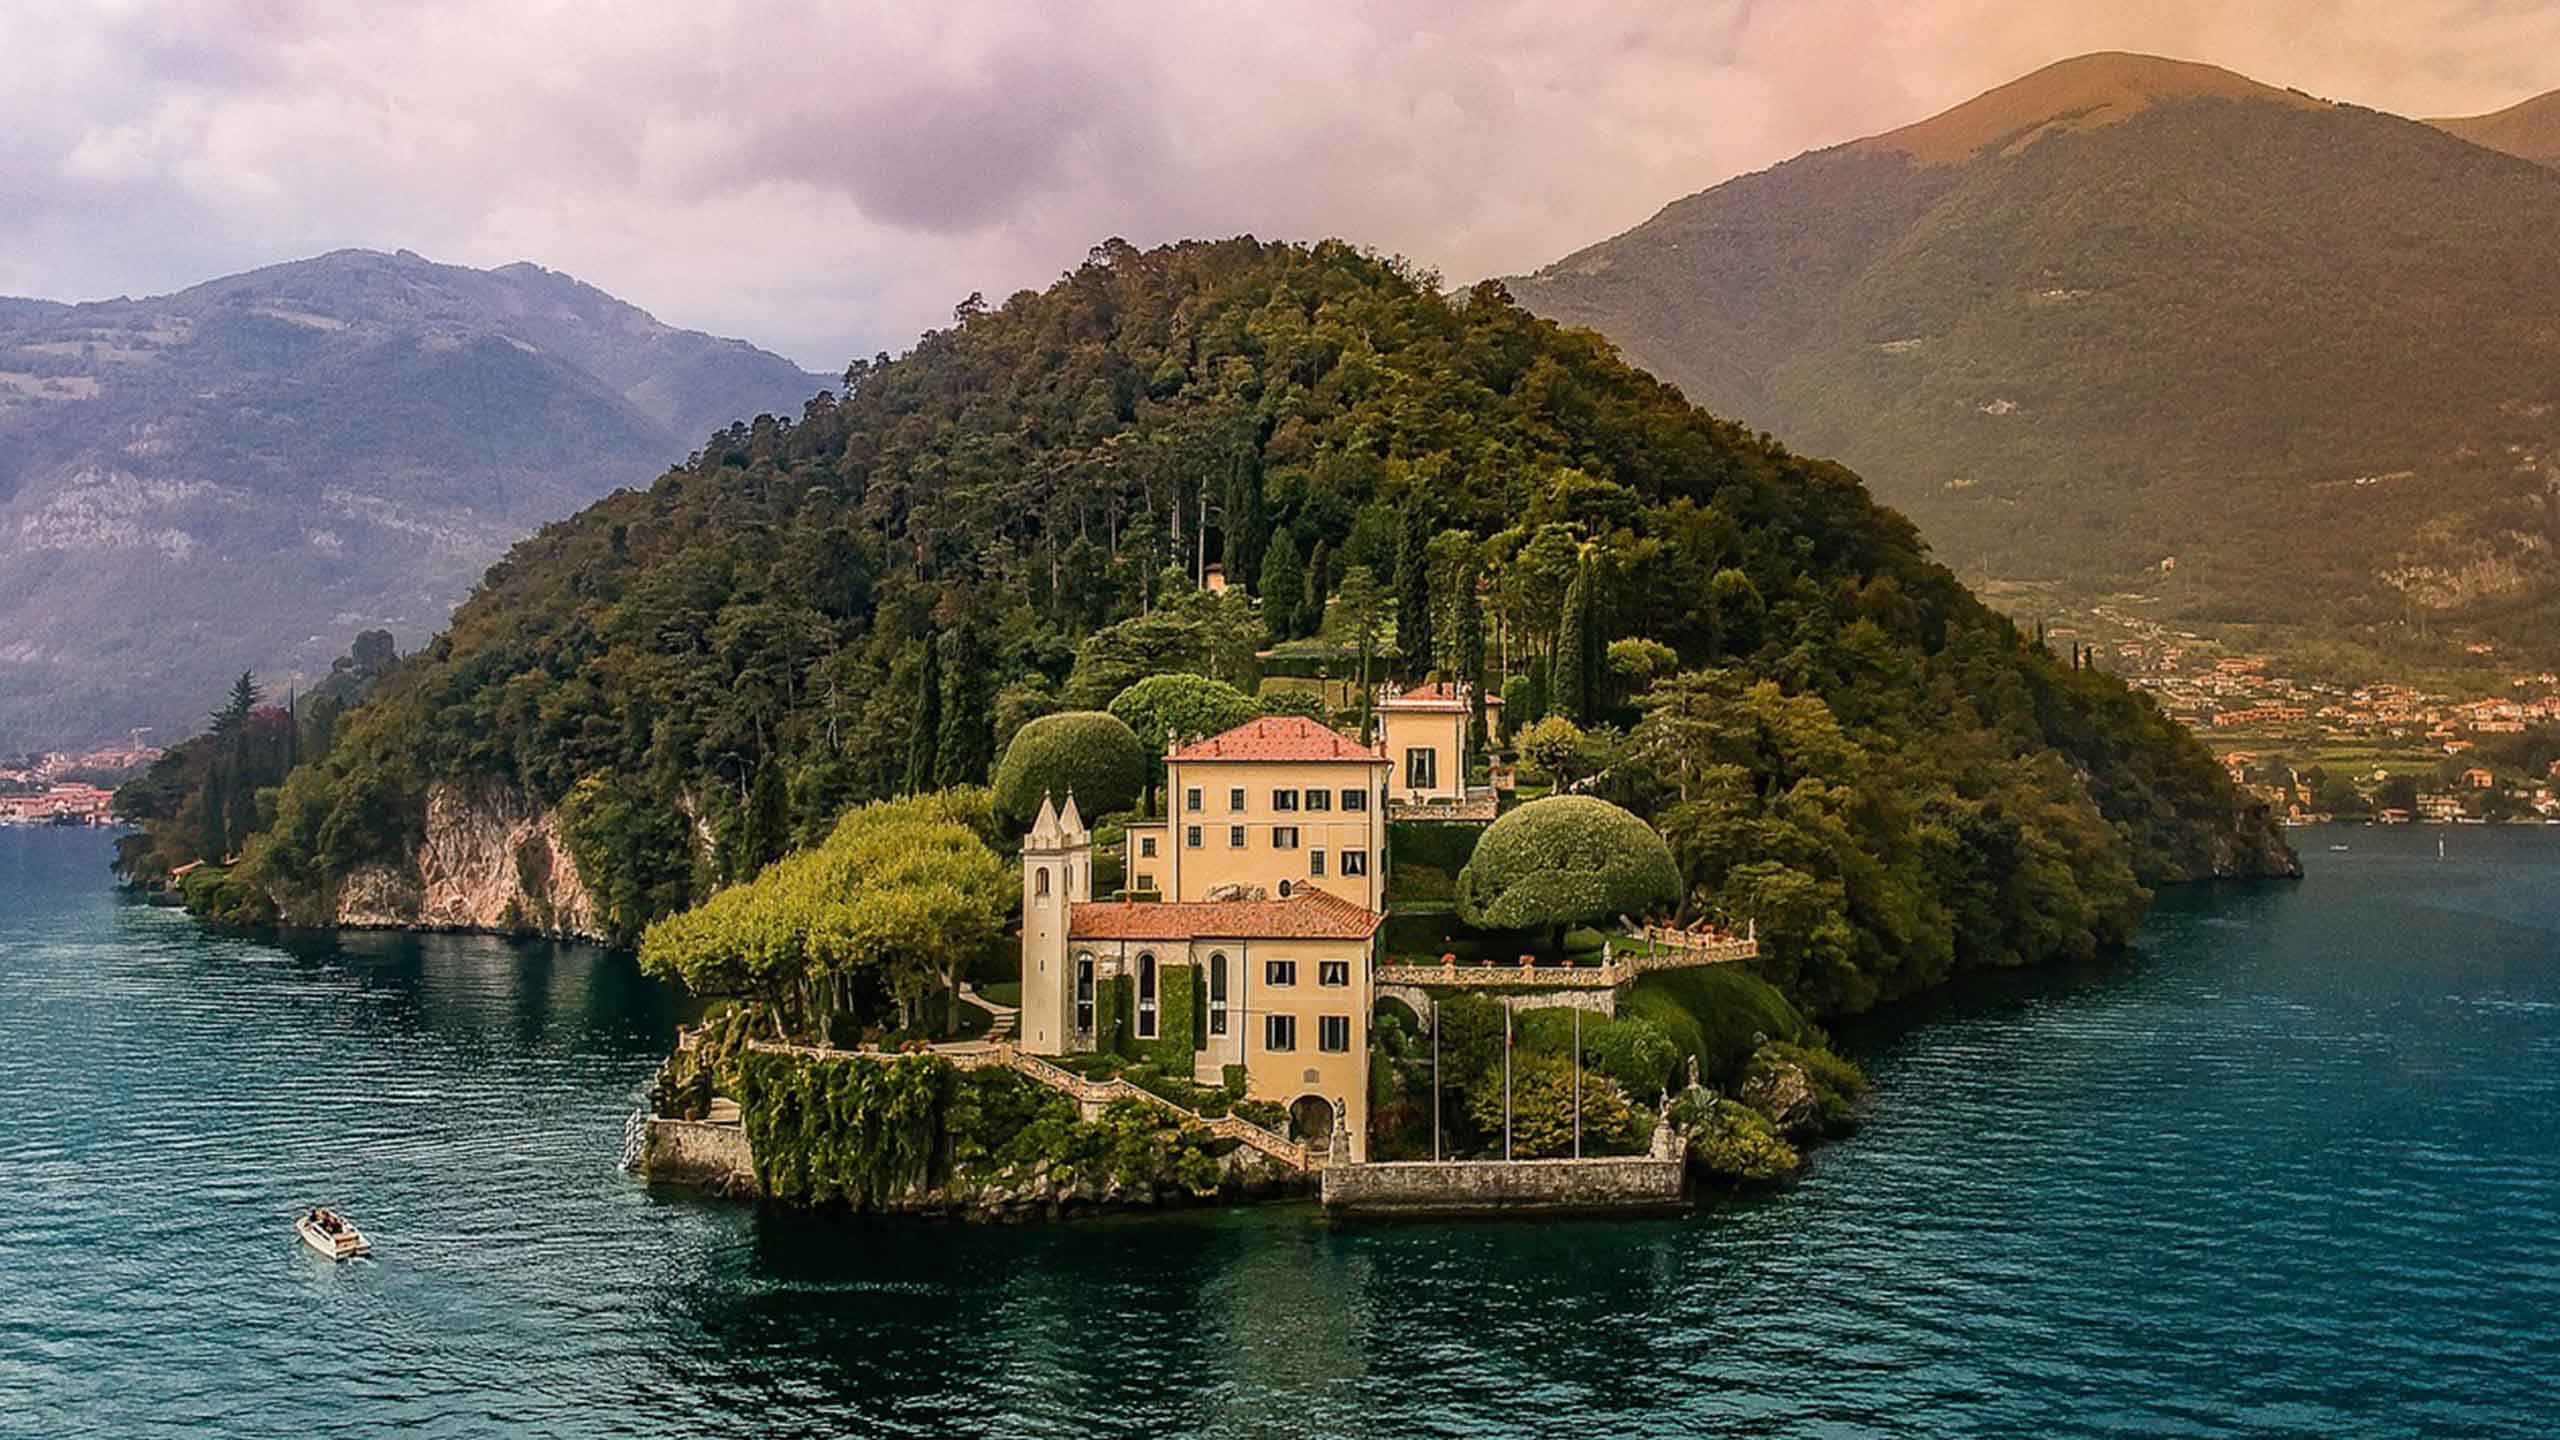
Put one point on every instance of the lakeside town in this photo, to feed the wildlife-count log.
(57, 788)
(2319, 750)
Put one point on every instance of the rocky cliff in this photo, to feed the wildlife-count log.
(491, 860)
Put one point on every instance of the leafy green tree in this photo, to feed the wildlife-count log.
(1092, 755)
(1162, 709)
(1566, 860)
(1553, 748)
(1364, 611)
(1284, 583)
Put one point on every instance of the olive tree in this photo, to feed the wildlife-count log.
(1565, 860)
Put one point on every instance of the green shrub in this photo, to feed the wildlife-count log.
(1719, 1013)
(1636, 1053)
(1734, 1142)
(1582, 940)
(1177, 1017)
(1542, 1111)
(1092, 755)
(1566, 860)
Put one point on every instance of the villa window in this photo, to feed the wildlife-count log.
(1333, 972)
(1354, 800)
(1315, 862)
(1286, 800)
(1235, 837)
(1333, 1034)
(1284, 889)
(1421, 769)
(1146, 997)
(1355, 862)
(1145, 882)
(1191, 836)
(1235, 798)
(1284, 837)
(1280, 972)
(1191, 800)
(1146, 847)
(1040, 881)
(1218, 992)
(1084, 993)
(1280, 1033)
(1319, 800)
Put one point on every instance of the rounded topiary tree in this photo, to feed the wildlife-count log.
(1095, 755)
(1566, 860)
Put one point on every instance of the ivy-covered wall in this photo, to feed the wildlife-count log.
(1115, 1005)
(858, 1133)
(1177, 1002)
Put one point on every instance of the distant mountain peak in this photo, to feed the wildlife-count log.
(2084, 92)
(2530, 130)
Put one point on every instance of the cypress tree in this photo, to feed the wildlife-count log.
(968, 740)
(1246, 521)
(1413, 592)
(212, 834)
(1284, 582)
(925, 741)
(1319, 589)
(1471, 656)
(768, 830)
(1573, 637)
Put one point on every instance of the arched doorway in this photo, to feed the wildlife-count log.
(1311, 1121)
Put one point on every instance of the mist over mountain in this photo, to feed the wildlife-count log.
(2128, 313)
(243, 474)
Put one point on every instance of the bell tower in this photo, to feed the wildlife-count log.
(1057, 872)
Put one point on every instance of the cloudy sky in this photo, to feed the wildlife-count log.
(826, 179)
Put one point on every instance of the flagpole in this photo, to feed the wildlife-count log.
(1435, 1078)
(1577, 1082)
(1506, 1082)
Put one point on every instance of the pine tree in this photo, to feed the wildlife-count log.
(1413, 592)
(1284, 582)
(1573, 637)
(1319, 589)
(968, 740)
(925, 741)
(1471, 669)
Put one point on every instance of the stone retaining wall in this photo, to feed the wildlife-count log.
(697, 1152)
(1616, 1184)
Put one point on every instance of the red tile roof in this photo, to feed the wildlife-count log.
(1311, 915)
(1279, 737)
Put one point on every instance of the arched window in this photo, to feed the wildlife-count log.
(1284, 889)
(1084, 992)
(1146, 997)
(1218, 992)
(1040, 882)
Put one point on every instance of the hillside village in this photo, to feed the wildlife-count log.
(63, 789)
(2321, 750)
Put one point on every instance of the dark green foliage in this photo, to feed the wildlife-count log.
(1311, 604)
(846, 1132)
(1636, 1053)
(767, 832)
(635, 852)
(663, 636)
(1087, 753)
(1573, 651)
(1413, 589)
(1733, 1142)
(1471, 660)
(1179, 1018)
(1442, 845)
(924, 737)
(1283, 585)
(967, 744)
(1115, 1017)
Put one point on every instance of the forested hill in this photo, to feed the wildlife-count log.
(2528, 131)
(243, 474)
(2125, 310)
(1837, 738)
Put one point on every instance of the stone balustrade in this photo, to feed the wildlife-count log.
(1690, 951)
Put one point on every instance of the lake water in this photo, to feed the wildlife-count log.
(2290, 1169)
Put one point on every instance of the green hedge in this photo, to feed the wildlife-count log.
(1177, 1004)
(1444, 845)
(1115, 1016)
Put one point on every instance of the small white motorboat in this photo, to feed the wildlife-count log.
(332, 1234)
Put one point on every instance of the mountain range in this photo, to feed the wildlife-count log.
(243, 474)
(2133, 324)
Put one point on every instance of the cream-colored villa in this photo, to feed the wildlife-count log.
(1251, 914)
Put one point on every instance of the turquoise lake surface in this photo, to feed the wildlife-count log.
(2290, 1168)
